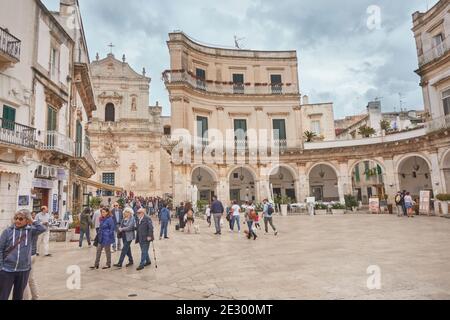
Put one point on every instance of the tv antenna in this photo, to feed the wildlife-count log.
(237, 41)
(400, 95)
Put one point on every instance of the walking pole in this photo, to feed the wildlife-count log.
(154, 254)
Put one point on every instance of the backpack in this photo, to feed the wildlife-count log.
(270, 210)
(398, 199)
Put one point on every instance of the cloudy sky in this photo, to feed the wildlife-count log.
(341, 59)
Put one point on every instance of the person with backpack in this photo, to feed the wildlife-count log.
(399, 203)
(17, 244)
(85, 227)
(180, 214)
(189, 217)
(268, 213)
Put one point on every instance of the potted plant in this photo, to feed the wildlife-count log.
(321, 209)
(366, 131)
(338, 208)
(350, 202)
(309, 136)
(284, 202)
(443, 200)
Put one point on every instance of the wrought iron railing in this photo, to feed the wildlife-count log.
(58, 142)
(9, 44)
(224, 87)
(84, 152)
(17, 134)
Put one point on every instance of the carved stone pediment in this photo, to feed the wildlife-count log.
(107, 163)
(105, 97)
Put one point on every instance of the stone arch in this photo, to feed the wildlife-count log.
(324, 187)
(245, 189)
(281, 184)
(207, 184)
(275, 168)
(323, 163)
(353, 166)
(211, 171)
(373, 186)
(405, 157)
(244, 166)
(411, 179)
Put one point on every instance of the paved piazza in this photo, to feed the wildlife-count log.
(321, 257)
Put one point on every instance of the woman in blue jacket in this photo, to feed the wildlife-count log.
(16, 245)
(105, 238)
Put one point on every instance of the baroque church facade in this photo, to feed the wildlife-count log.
(126, 132)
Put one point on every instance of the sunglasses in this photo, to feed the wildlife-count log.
(18, 219)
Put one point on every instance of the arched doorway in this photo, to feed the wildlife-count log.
(110, 113)
(368, 181)
(282, 183)
(446, 170)
(242, 185)
(323, 183)
(414, 175)
(206, 183)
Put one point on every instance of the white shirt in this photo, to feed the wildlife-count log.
(236, 208)
(208, 212)
(43, 217)
(96, 219)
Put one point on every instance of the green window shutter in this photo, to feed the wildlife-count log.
(51, 119)
(380, 172)
(357, 176)
(9, 118)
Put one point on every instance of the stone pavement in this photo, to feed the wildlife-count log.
(321, 257)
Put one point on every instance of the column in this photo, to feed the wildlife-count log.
(344, 181)
(391, 182)
(303, 183)
(435, 174)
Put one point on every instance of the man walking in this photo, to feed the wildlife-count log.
(144, 236)
(43, 218)
(117, 215)
(399, 203)
(164, 220)
(268, 212)
(180, 214)
(217, 211)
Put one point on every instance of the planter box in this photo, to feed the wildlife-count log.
(338, 211)
(321, 212)
(284, 210)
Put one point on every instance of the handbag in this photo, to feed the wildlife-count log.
(96, 241)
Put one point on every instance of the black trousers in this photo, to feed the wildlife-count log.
(8, 280)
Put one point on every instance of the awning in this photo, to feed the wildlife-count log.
(99, 185)
(10, 168)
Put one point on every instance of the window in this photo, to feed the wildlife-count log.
(109, 178)
(167, 131)
(279, 129)
(238, 83)
(315, 127)
(110, 113)
(446, 102)
(202, 128)
(9, 118)
(438, 44)
(240, 132)
(54, 66)
(201, 77)
(79, 139)
(275, 80)
(51, 119)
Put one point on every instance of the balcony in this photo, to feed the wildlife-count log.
(435, 53)
(9, 48)
(16, 134)
(172, 77)
(83, 152)
(438, 124)
(59, 143)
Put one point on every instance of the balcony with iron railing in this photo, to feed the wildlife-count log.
(9, 47)
(83, 152)
(171, 77)
(57, 142)
(435, 53)
(13, 133)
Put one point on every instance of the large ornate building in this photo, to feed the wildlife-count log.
(126, 132)
(235, 91)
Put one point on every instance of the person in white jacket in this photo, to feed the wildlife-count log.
(43, 245)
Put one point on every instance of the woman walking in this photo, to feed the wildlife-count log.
(126, 230)
(409, 203)
(105, 238)
(235, 216)
(189, 217)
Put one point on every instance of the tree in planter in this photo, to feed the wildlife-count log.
(350, 201)
(309, 136)
(385, 125)
(338, 206)
(366, 131)
(95, 202)
(321, 206)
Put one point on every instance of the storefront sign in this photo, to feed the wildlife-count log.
(424, 207)
(374, 205)
(42, 183)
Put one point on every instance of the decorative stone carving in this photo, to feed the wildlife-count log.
(114, 98)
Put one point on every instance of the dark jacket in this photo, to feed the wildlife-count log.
(19, 259)
(85, 222)
(144, 229)
(128, 227)
(106, 231)
(217, 207)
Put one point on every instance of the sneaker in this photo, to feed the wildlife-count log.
(276, 233)
(166, 237)
(107, 267)
(117, 265)
(147, 264)
(140, 268)
(48, 255)
(129, 264)
(94, 267)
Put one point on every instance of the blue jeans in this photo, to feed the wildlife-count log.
(116, 240)
(126, 251)
(236, 219)
(145, 258)
(164, 227)
(250, 230)
(88, 236)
